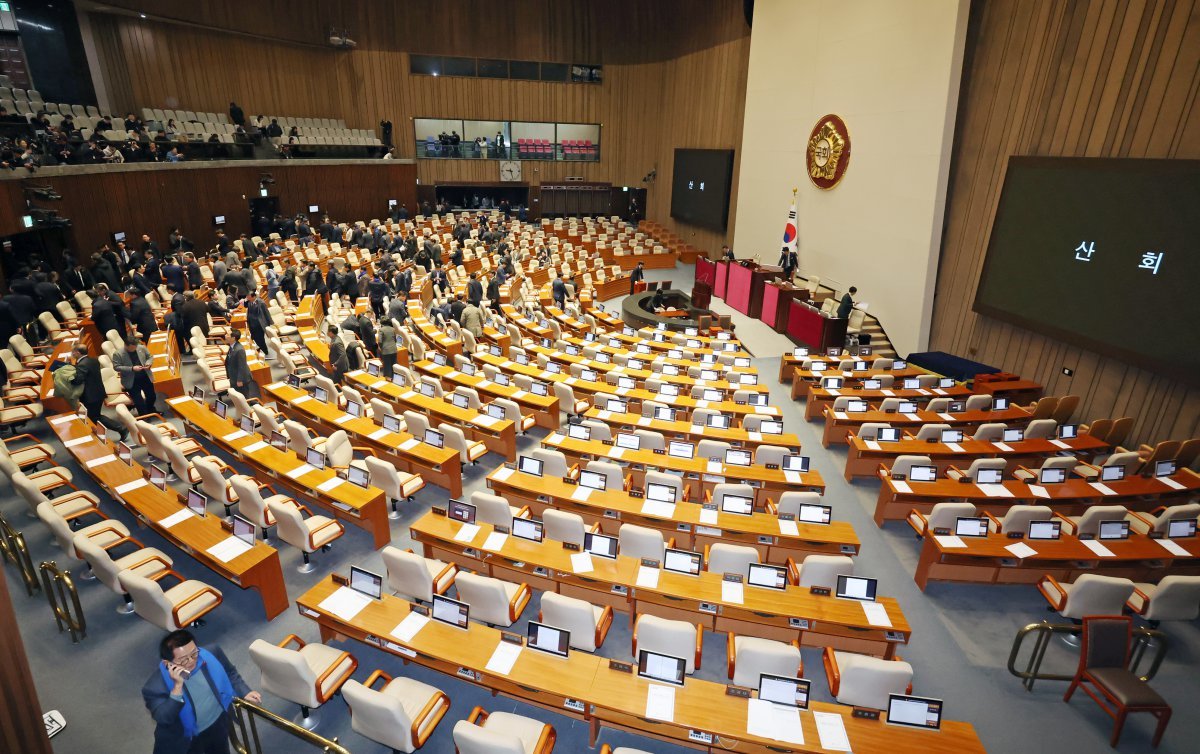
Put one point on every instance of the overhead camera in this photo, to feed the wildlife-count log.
(48, 218)
(43, 192)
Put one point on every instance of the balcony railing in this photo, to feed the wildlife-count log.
(565, 151)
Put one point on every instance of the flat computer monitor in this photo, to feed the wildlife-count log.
(957, 407)
(321, 394)
(815, 514)
(799, 352)
(971, 527)
(767, 576)
(616, 406)
(1165, 468)
(628, 441)
(314, 457)
(668, 391)
(1112, 473)
(748, 379)
(125, 453)
(539, 389)
(952, 435)
(771, 427)
(243, 529)
(572, 350)
(833, 352)
(906, 407)
(495, 410)
(718, 421)
(856, 405)
(1181, 528)
(860, 366)
(945, 382)
(278, 440)
(670, 370)
(872, 384)
(712, 396)
(888, 434)
(314, 208)
(911, 383)
(856, 588)
(758, 399)
(528, 528)
(587, 375)
(118, 237)
(1013, 435)
(737, 457)
(741, 361)
(683, 561)
(434, 438)
(391, 422)
(460, 401)
(739, 504)
(354, 408)
(553, 368)
(914, 711)
(451, 611)
(358, 476)
(1052, 475)
(579, 432)
(197, 502)
(399, 380)
(158, 476)
(922, 473)
(495, 350)
(680, 449)
(817, 366)
(370, 584)
(549, 639)
(293, 380)
(662, 493)
(797, 463)
(1045, 529)
(780, 689)
(1068, 431)
(899, 364)
(439, 359)
(1000, 403)
(426, 389)
(222, 409)
(1118, 529)
(468, 369)
(246, 424)
(593, 480)
(528, 465)
(599, 544)
(664, 413)
(460, 511)
(831, 383)
(989, 476)
(659, 667)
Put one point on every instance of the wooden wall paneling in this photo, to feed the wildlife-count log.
(21, 727)
(1098, 79)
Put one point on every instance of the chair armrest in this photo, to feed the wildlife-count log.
(995, 521)
(371, 679)
(152, 559)
(205, 591)
(955, 469)
(1138, 602)
(518, 602)
(448, 569)
(438, 704)
(362, 449)
(289, 639)
(883, 471)
(921, 528)
(1143, 520)
(606, 749)
(477, 716)
(304, 511)
(1091, 466)
(312, 534)
(671, 543)
(832, 672)
(545, 742)
(793, 571)
(730, 654)
(329, 671)
(602, 627)
(708, 496)
(628, 485)
(573, 472)
(8, 441)
(111, 529)
(1059, 599)
(699, 644)
(1067, 523)
(687, 493)
(1026, 470)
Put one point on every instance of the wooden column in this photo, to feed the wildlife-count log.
(21, 727)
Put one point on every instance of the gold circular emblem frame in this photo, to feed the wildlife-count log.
(828, 153)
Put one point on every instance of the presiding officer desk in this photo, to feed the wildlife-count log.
(841, 425)
(365, 508)
(820, 399)
(690, 523)
(583, 686)
(866, 456)
(784, 614)
(257, 568)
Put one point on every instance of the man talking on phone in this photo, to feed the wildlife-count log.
(189, 696)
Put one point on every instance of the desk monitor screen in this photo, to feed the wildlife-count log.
(712, 396)
(797, 463)
(358, 476)
(1181, 528)
(158, 476)
(468, 369)
(1000, 403)
(435, 438)
(628, 441)
(692, 343)
(540, 389)
(758, 399)
(771, 428)
(601, 356)
(956, 407)
(439, 359)
(906, 407)
(222, 409)
(669, 391)
(952, 435)
(398, 379)
(670, 370)
(278, 440)
(125, 453)
(664, 413)
(818, 366)
(1047, 529)
(663, 493)
(579, 432)
(737, 504)
(872, 384)
(780, 689)
(856, 406)
(293, 380)
(1114, 529)
(922, 473)
(674, 353)
(911, 383)
(373, 369)
(587, 375)
(860, 366)
(736, 457)
(451, 611)
(572, 350)
(354, 408)
(370, 584)
(391, 422)
(616, 407)
(198, 393)
(833, 352)
(1052, 475)
(718, 421)
(815, 514)
(553, 368)
(1164, 468)
(502, 380)
(769, 576)
(664, 668)
(247, 424)
(495, 350)
(683, 561)
(989, 476)
(914, 711)
(1112, 473)
(528, 528)
(1013, 435)
(691, 331)
(321, 394)
(314, 208)
(945, 382)
(799, 352)
(679, 449)
(899, 364)
(888, 434)
(599, 544)
(741, 361)
(532, 466)
(548, 639)
(593, 480)
(391, 203)
(460, 401)
(243, 529)
(1068, 431)
(971, 527)
(832, 383)
(460, 511)
(426, 390)
(708, 374)
(626, 383)
(523, 359)
(641, 347)
(633, 363)
(197, 502)
(856, 588)
(314, 457)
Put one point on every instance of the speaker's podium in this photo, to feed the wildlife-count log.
(747, 280)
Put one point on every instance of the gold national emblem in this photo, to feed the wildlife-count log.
(828, 152)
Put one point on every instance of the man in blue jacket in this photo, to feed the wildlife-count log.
(189, 696)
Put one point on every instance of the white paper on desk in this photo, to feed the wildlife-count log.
(994, 490)
(1097, 548)
(78, 441)
(229, 548)
(254, 447)
(616, 452)
(581, 562)
(1171, 483)
(792, 477)
(484, 420)
(1021, 550)
(495, 541)
(831, 729)
(277, 385)
(571, 380)
(581, 493)
(182, 514)
(1003, 446)
(452, 373)
(1039, 491)
(788, 528)
(947, 417)
(779, 722)
(343, 419)
(378, 434)
(644, 421)
(877, 614)
(131, 486)
(714, 467)
(466, 533)
(484, 383)
(769, 410)
(833, 391)
(63, 419)
(1103, 489)
(331, 483)
(1060, 444)
(236, 435)
(950, 540)
(101, 460)
(647, 577)
(658, 508)
(176, 401)
(923, 391)
(871, 445)
(354, 373)
(660, 702)
(520, 394)
(1173, 547)
(406, 629)
(345, 603)
(755, 436)
(708, 516)
(300, 471)
(912, 417)
(301, 399)
(701, 404)
(887, 392)
(939, 391)
(902, 486)
(733, 592)
(554, 438)
(840, 415)
(502, 474)
(503, 659)
(410, 443)
(955, 447)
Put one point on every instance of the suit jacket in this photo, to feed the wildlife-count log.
(107, 314)
(237, 369)
(87, 373)
(339, 362)
(474, 291)
(258, 316)
(169, 737)
(194, 314)
(142, 316)
(80, 280)
(173, 276)
(123, 364)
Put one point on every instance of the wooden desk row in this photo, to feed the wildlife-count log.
(791, 367)
(841, 425)
(583, 687)
(820, 399)
(685, 430)
(544, 408)
(258, 568)
(866, 456)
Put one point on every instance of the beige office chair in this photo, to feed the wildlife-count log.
(668, 637)
(682, 491)
(1176, 597)
(401, 715)
(929, 432)
(790, 502)
(720, 491)
(765, 454)
(722, 557)
(942, 516)
(712, 450)
(215, 486)
(1018, 517)
(1089, 522)
(502, 733)
(599, 430)
(495, 510)
(1053, 462)
(862, 681)
(106, 532)
(308, 676)
(972, 472)
(1041, 429)
(469, 451)
(748, 657)
(301, 438)
(26, 457)
(415, 577)
(588, 624)
(554, 463)
(979, 402)
(614, 476)
(870, 430)
(564, 526)
(1159, 519)
(990, 432)
(396, 485)
(512, 412)
(1090, 594)
(1130, 460)
(903, 464)
(147, 562)
(306, 534)
(493, 601)
(183, 605)
(641, 542)
(820, 570)
(568, 402)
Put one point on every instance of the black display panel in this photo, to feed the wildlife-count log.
(700, 187)
(1101, 253)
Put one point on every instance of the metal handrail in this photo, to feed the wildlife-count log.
(13, 549)
(59, 585)
(243, 732)
(1143, 638)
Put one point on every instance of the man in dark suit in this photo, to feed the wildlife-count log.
(80, 279)
(366, 333)
(637, 276)
(87, 373)
(191, 268)
(108, 313)
(327, 231)
(173, 275)
(493, 292)
(376, 291)
(237, 115)
(141, 316)
(153, 271)
(474, 289)
(258, 319)
(558, 289)
(847, 303)
(194, 313)
(788, 261)
(149, 248)
(339, 362)
(139, 284)
(237, 369)
(440, 281)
